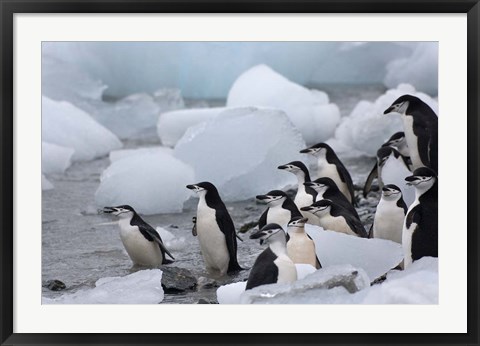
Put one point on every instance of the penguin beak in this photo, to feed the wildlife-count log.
(191, 187)
(306, 151)
(307, 208)
(107, 210)
(257, 235)
(389, 110)
(411, 180)
(261, 197)
(283, 167)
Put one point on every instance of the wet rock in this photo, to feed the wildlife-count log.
(177, 280)
(204, 283)
(247, 226)
(54, 285)
(206, 301)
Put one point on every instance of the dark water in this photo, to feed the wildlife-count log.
(77, 250)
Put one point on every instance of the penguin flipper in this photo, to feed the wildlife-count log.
(264, 270)
(424, 138)
(347, 179)
(370, 231)
(167, 261)
(152, 235)
(357, 226)
(368, 184)
(263, 219)
(225, 224)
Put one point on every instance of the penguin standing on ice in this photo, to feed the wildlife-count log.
(281, 209)
(390, 215)
(300, 247)
(305, 195)
(142, 242)
(329, 165)
(420, 124)
(215, 231)
(333, 217)
(420, 229)
(273, 265)
(327, 189)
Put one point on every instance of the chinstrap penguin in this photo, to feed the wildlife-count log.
(142, 242)
(300, 247)
(399, 142)
(273, 265)
(280, 208)
(215, 231)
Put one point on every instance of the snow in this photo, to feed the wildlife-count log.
(172, 125)
(141, 287)
(55, 158)
(66, 125)
(46, 185)
(152, 183)
(375, 256)
(240, 149)
(367, 128)
(419, 69)
(172, 242)
(309, 110)
(116, 155)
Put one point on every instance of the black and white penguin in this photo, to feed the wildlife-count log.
(390, 215)
(142, 242)
(329, 165)
(420, 230)
(305, 195)
(215, 230)
(420, 124)
(300, 247)
(281, 209)
(391, 168)
(327, 189)
(273, 265)
(399, 142)
(333, 217)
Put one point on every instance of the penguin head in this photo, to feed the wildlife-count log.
(295, 167)
(402, 104)
(391, 192)
(269, 233)
(316, 150)
(397, 140)
(319, 208)
(321, 185)
(122, 211)
(203, 188)
(273, 198)
(297, 221)
(423, 178)
(384, 153)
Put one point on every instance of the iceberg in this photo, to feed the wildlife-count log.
(152, 183)
(240, 149)
(68, 126)
(46, 185)
(55, 158)
(367, 128)
(309, 110)
(172, 125)
(141, 287)
(116, 155)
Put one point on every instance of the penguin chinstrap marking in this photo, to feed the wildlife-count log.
(300, 247)
(273, 265)
(142, 242)
(327, 189)
(420, 125)
(399, 142)
(280, 208)
(420, 229)
(390, 215)
(215, 231)
(329, 165)
(332, 217)
(305, 195)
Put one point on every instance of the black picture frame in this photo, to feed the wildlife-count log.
(10, 7)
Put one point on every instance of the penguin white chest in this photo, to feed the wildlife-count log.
(141, 251)
(287, 272)
(212, 240)
(337, 224)
(278, 215)
(302, 198)
(412, 142)
(329, 170)
(388, 223)
(301, 249)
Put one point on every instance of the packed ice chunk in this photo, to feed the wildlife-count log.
(152, 183)
(172, 242)
(46, 185)
(240, 149)
(418, 284)
(304, 270)
(141, 287)
(135, 114)
(66, 125)
(172, 125)
(332, 285)
(55, 158)
(419, 69)
(375, 256)
(310, 111)
(367, 128)
(116, 155)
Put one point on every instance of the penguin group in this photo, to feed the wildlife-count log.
(406, 170)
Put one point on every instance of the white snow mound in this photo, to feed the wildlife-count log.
(239, 151)
(142, 287)
(55, 158)
(151, 183)
(309, 110)
(66, 125)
